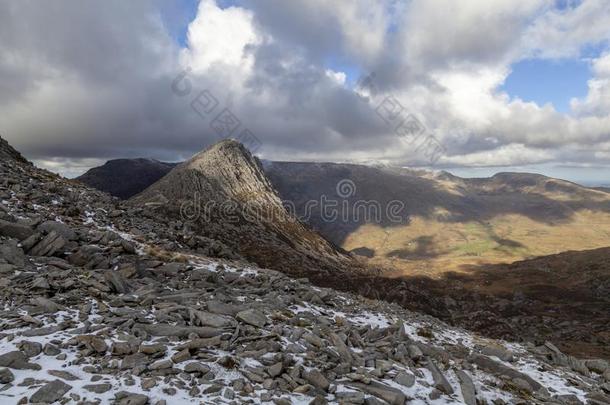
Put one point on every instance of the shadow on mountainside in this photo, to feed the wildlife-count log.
(460, 200)
(562, 298)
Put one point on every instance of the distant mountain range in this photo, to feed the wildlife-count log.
(446, 221)
(125, 178)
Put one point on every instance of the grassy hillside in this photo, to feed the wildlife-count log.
(449, 222)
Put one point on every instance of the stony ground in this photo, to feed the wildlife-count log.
(97, 308)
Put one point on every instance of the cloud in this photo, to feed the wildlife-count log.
(561, 33)
(84, 80)
(220, 37)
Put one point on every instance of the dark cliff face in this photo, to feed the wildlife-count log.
(7, 152)
(125, 178)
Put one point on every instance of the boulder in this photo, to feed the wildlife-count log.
(59, 228)
(17, 360)
(252, 317)
(50, 392)
(15, 230)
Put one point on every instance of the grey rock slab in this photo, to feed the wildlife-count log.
(467, 387)
(317, 379)
(51, 350)
(196, 368)
(440, 382)
(117, 282)
(134, 399)
(6, 376)
(14, 230)
(182, 355)
(179, 331)
(11, 253)
(61, 229)
(98, 388)
(46, 304)
(209, 319)
(49, 245)
(496, 368)
(93, 342)
(122, 348)
(47, 330)
(40, 283)
(50, 392)
(201, 343)
(382, 391)
(342, 349)
(350, 397)
(405, 379)
(17, 360)
(252, 317)
(597, 365)
(134, 360)
(64, 375)
(275, 370)
(161, 364)
(221, 308)
(153, 348)
(30, 349)
(498, 352)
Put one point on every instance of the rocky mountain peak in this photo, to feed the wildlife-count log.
(7, 152)
(232, 172)
(226, 196)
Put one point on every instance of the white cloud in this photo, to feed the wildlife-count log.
(597, 101)
(507, 155)
(338, 77)
(221, 37)
(82, 80)
(563, 33)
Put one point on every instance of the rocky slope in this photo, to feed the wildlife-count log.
(561, 298)
(125, 178)
(7, 152)
(223, 193)
(97, 307)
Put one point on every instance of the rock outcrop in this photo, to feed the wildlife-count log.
(8, 152)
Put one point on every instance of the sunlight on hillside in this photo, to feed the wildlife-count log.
(435, 247)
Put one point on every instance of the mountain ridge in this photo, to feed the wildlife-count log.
(110, 176)
(235, 203)
(8, 152)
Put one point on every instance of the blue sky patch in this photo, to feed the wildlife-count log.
(177, 15)
(549, 81)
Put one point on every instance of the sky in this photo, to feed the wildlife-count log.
(490, 85)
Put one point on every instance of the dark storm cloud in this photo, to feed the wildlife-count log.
(93, 80)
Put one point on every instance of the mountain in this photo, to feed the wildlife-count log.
(104, 301)
(125, 178)
(461, 250)
(446, 222)
(223, 193)
(8, 152)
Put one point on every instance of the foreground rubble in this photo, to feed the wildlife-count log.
(96, 308)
